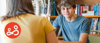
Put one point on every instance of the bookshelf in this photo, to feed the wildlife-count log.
(83, 2)
(94, 38)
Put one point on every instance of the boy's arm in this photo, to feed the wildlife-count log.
(82, 39)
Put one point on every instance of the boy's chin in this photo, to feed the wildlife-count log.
(66, 16)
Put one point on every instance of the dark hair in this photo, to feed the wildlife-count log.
(67, 3)
(18, 7)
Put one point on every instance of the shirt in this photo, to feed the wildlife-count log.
(33, 29)
(71, 30)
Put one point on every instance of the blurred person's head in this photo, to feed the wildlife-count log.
(67, 7)
(18, 7)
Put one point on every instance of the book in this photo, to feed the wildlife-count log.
(94, 9)
(91, 8)
(99, 25)
(85, 8)
(81, 10)
(99, 9)
(95, 25)
(78, 9)
(53, 8)
(92, 22)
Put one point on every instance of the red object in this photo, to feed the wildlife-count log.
(81, 10)
(91, 8)
(12, 30)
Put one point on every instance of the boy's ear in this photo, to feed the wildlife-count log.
(60, 12)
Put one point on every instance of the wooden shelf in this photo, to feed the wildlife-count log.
(54, 16)
(84, 16)
(60, 37)
(94, 35)
(92, 16)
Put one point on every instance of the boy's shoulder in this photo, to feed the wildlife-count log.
(82, 17)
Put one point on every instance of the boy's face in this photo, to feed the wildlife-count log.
(67, 11)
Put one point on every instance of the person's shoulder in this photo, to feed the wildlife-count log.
(36, 18)
(83, 18)
(31, 15)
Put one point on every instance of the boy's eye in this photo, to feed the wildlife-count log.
(68, 8)
(63, 8)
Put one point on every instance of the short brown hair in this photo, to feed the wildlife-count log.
(18, 7)
(67, 3)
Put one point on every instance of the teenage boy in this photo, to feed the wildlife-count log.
(75, 28)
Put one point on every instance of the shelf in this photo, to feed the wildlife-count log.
(95, 31)
(94, 35)
(84, 16)
(92, 16)
(54, 16)
(60, 37)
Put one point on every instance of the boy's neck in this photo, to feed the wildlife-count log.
(72, 18)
